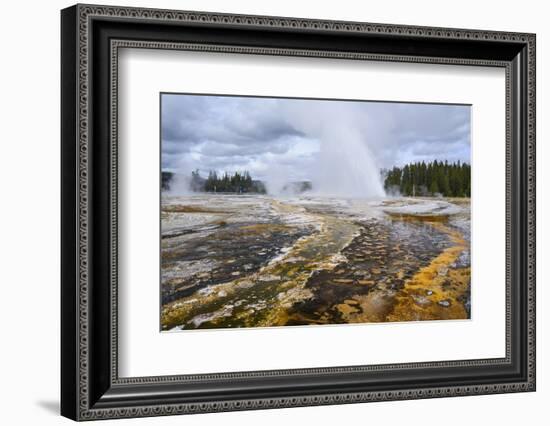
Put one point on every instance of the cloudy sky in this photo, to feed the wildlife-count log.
(297, 139)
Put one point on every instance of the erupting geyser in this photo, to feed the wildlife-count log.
(346, 166)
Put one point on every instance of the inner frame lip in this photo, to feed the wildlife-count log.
(116, 44)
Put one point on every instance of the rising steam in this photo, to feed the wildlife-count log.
(341, 165)
(346, 167)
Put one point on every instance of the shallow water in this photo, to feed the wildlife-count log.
(250, 261)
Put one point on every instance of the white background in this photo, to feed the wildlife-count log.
(142, 346)
(29, 229)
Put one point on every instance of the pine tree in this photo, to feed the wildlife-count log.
(434, 189)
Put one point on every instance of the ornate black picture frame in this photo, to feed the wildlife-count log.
(91, 36)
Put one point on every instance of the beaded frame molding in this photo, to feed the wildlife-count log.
(91, 39)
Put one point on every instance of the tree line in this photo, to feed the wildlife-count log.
(237, 182)
(430, 179)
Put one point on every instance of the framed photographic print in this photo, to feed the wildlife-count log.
(263, 212)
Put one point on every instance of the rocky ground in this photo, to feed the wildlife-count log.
(250, 261)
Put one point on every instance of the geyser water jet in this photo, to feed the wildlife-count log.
(346, 167)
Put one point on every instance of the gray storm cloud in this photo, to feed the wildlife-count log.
(340, 146)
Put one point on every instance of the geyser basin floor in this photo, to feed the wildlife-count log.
(256, 261)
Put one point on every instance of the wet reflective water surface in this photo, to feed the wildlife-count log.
(255, 261)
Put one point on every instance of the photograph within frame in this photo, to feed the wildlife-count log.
(301, 211)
